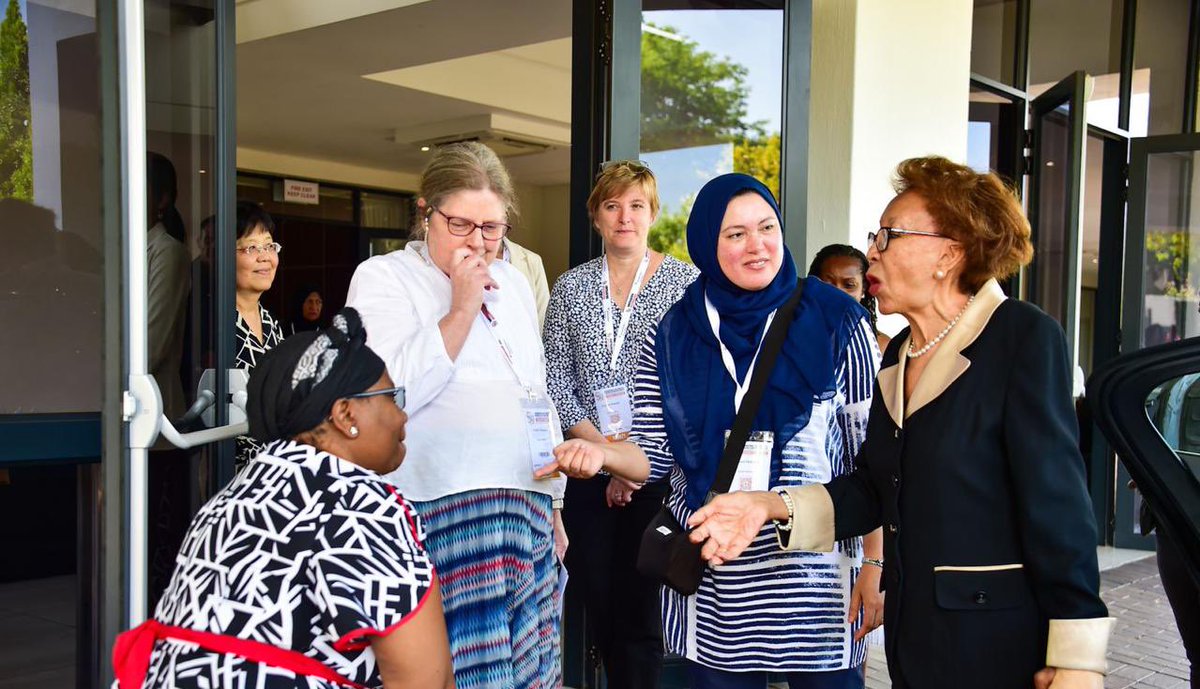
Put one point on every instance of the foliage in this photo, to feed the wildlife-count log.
(668, 234)
(690, 97)
(16, 142)
(1167, 255)
(759, 157)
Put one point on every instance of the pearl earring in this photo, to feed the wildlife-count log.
(354, 431)
(940, 274)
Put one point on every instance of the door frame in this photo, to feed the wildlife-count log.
(1125, 516)
(1071, 91)
(119, 558)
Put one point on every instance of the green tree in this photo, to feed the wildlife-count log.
(690, 97)
(668, 234)
(759, 157)
(16, 141)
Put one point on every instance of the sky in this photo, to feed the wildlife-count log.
(752, 38)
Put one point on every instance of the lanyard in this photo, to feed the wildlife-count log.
(493, 327)
(615, 342)
(740, 387)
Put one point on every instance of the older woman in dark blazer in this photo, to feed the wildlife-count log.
(971, 462)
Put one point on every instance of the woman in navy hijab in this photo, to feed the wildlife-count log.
(772, 611)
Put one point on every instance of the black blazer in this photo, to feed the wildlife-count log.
(979, 486)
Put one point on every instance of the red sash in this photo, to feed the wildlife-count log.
(131, 654)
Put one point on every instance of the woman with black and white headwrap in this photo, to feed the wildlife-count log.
(308, 570)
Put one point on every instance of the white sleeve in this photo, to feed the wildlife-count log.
(413, 350)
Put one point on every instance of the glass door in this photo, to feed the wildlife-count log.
(1161, 305)
(170, 320)
(1055, 202)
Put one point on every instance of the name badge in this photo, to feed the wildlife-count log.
(754, 468)
(615, 412)
(541, 426)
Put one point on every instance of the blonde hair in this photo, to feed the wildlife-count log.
(619, 177)
(468, 165)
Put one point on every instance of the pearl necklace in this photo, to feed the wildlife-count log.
(913, 354)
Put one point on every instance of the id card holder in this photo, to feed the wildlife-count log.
(541, 426)
(754, 468)
(615, 412)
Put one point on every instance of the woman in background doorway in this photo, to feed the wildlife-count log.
(845, 267)
(257, 330)
(308, 305)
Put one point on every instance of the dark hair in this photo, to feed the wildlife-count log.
(249, 216)
(161, 181)
(846, 251)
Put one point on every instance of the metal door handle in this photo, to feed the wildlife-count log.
(143, 411)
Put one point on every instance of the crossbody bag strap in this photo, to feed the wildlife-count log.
(740, 433)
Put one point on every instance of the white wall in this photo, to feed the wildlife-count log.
(890, 81)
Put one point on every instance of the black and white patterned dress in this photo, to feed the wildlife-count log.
(304, 551)
(577, 353)
(249, 350)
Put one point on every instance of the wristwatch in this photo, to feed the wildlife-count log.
(556, 503)
(873, 561)
(791, 510)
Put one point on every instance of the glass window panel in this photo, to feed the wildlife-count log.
(994, 40)
(995, 127)
(1160, 63)
(1172, 251)
(1071, 35)
(709, 105)
(385, 211)
(1051, 264)
(51, 270)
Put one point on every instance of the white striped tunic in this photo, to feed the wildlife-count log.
(771, 610)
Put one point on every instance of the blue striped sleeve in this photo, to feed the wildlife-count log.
(649, 430)
(856, 383)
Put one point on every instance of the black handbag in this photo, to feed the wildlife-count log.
(666, 554)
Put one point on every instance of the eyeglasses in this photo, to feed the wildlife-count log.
(254, 250)
(397, 393)
(881, 238)
(461, 227)
(635, 166)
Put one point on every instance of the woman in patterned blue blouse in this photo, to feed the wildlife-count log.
(771, 611)
(596, 322)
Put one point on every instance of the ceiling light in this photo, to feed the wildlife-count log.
(424, 149)
(203, 172)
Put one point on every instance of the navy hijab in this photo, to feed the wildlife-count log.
(697, 391)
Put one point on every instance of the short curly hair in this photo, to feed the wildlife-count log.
(979, 211)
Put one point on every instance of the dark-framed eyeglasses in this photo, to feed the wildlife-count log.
(634, 166)
(397, 393)
(253, 250)
(461, 227)
(884, 235)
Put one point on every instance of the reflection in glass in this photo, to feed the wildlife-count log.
(994, 40)
(710, 105)
(1172, 252)
(1070, 35)
(1160, 61)
(51, 267)
(1051, 267)
(1174, 409)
